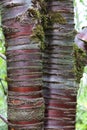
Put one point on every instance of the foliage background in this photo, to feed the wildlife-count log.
(82, 103)
(80, 7)
(81, 21)
(3, 97)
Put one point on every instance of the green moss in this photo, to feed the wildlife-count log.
(39, 15)
(38, 36)
(56, 17)
(34, 13)
(79, 62)
(44, 19)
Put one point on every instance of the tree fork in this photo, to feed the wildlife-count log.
(24, 67)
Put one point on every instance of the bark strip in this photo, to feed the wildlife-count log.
(59, 86)
(24, 66)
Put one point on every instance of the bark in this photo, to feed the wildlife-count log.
(24, 67)
(59, 83)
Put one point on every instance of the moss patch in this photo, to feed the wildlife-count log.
(56, 17)
(44, 21)
(39, 36)
(79, 62)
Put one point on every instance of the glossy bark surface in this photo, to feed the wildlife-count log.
(24, 67)
(59, 83)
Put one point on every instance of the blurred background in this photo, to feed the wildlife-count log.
(80, 8)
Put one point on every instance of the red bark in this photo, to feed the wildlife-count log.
(59, 82)
(24, 76)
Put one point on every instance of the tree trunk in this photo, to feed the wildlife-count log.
(24, 67)
(59, 83)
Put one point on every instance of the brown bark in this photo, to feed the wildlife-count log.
(24, 67)
(59, 85)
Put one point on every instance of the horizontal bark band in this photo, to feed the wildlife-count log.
(25, 57)
(30, 96)
(19, 104)
(59, 113)
(34, 122)
(24, 30)
(24, 63)
(24, 77)
(67, 105)
(24, 71)
(65, 91)
(25, 89)
(27, 114)
(18, 40)
(62, 99)
(29, 80)
(25, 51)
(24, 84)
(53, 123)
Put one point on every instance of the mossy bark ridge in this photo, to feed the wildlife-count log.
(24, 67)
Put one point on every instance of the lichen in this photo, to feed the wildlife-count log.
(79, 62)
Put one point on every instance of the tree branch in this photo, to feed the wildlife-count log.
(1, 117)
(2, 56)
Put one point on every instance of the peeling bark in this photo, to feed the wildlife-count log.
(24, 67)
(59, 83)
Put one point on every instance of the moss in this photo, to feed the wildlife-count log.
(45, 20)
(34, 13)
(56, 17)
(38, 36)
(79, 62)
(38, 14)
